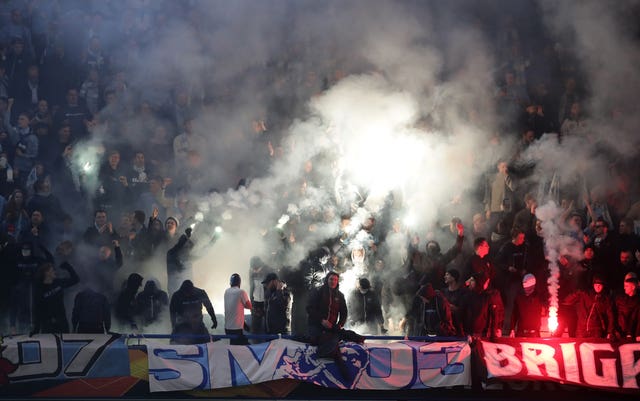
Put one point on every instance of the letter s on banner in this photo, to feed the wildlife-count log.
(501, 359)
(178, 367)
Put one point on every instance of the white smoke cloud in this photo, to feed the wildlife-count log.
(414, 116)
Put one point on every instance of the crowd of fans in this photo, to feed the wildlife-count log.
(62, 229)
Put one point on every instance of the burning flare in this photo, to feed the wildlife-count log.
(552, 321)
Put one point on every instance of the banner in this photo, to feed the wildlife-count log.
(60, 357)
(592, 363)
(372, 366)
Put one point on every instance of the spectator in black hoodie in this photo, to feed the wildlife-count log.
(151, 303)
(91, 313)
(126, 307)
(186, 314)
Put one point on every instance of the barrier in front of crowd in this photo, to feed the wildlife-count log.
(55, 365)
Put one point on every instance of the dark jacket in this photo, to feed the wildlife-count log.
(430, 316)
(365, 309)
(96, 238)
(151, 302)
(126, 307)
(431, 267)
(186, 307)
(91, 313)
(526, 315)
(50, 314)
(628, 315)
(277, 311)
(178, 256)
(104, 272)
(319, 303)
(595, 313)
(484, 313)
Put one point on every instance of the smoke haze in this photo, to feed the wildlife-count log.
(381, 97)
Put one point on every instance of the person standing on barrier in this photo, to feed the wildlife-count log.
(277, 301)
(236, 300)
(327, 309)
(327, 314)
(185, 309)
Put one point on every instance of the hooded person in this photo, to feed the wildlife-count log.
(151, 302)
(125, 307)
(185, 310)
(91, 312)
(528, 309)
(429, 314)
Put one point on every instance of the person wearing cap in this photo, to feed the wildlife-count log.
(594, 309)
(527, 310)
(365, 310)
(236, 300)
(277, 305)
(430, 314)
(628, 309)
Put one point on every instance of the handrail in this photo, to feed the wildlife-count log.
(288, 336)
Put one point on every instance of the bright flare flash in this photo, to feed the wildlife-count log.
(218, 229)
(283, 220)
(87, 167)
(552, 322)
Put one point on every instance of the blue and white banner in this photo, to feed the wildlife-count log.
(60, 357)
(379, 366)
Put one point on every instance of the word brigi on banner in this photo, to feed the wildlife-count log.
(61, 357)
(587, 362)
(376, 366)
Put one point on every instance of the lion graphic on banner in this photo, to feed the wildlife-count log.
(302, 363)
